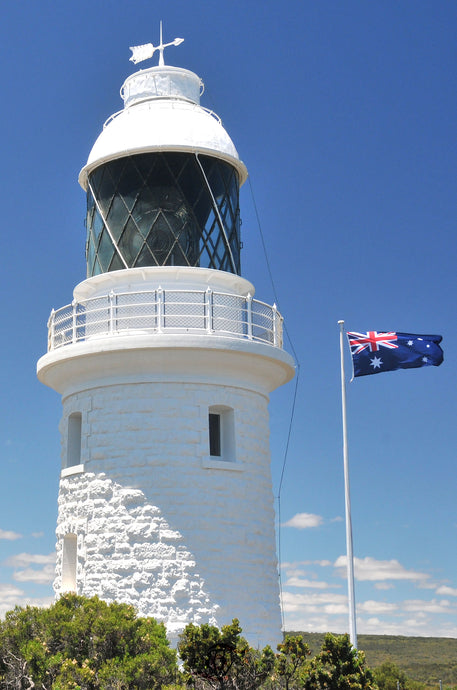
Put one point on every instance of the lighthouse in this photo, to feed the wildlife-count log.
(165, 361)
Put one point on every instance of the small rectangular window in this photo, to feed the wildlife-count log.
(69, 563)
(74, 440)
(214, 434)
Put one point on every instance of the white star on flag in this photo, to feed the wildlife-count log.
(376, 362)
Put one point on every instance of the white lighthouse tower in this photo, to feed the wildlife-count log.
(165, 362)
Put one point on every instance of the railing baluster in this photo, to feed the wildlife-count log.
(209, 310)
(111, 312)
(249, 314)
(275, 325)
(51, 327)
(73, 321)
(160, 315)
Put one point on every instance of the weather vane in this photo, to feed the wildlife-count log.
(146, 51)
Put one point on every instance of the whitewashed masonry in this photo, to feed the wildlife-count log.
(165, 371)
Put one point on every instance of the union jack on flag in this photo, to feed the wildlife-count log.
(377, 351)
(372, 339)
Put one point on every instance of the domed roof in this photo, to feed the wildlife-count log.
(162, 112)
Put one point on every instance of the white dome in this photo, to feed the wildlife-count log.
(162, 113)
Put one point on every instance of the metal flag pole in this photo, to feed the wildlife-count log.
(349, 553)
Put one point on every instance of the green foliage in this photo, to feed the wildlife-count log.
(423, 659)
(87, 644)
(290, 661)
(339, 666)
(84, 644)
(388, 675)
(223, 659)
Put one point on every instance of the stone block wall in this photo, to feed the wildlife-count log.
(162, 525)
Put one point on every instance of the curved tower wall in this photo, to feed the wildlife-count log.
(165, 498)
(160, 524)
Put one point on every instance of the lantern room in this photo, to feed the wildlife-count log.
(162, 180)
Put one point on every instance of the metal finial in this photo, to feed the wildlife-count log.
(146, 51)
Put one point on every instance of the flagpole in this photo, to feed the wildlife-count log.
(349, 553)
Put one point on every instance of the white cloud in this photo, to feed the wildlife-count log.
(9, 535)
(23, 560)
(419, 626)
(371, 569)
(426, 585)
(296, 572)
(37, 535)
(313, 602)
(317, 622)
(304, 521)
(376, 626)
(376, 607)
(24, 573)
(327, 611)
(433, 606)
(295, 564)
(373, 625)
(335, 609)
(446, 591)
(41, 577)
(9, 597)
(295, 581)
(8, 603)
(8, 591)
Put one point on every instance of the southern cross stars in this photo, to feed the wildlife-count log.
(374, 352)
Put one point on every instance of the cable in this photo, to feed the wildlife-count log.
(286, 451)
(294, 401)
(270, 273)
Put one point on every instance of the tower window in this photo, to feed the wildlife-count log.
(74, 440)
(214, 434)
(69, 563)
(221, 427)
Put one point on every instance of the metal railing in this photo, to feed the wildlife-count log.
(203, 312)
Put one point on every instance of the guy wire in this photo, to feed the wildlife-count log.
(294, 401)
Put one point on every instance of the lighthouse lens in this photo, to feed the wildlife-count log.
(163, 209)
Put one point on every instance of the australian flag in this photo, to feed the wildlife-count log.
(377, 351)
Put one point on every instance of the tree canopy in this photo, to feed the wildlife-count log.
(389, 676)
(88, 644)
(223, 659)
(339, 666)
(84, 643)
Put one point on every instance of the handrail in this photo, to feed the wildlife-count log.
(163, 98)
(163, 311)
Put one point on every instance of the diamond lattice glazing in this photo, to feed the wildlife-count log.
(163, 209)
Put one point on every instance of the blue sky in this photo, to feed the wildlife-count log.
(344, 113)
